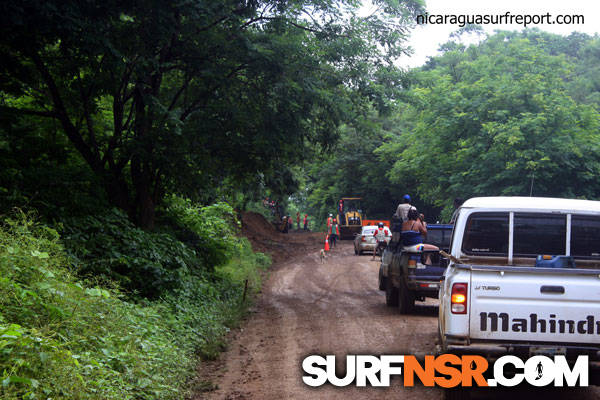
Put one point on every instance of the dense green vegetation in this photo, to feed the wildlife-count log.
(517, 114)
(201, 98)
(61, 337)
(133, 134)
(129, 132)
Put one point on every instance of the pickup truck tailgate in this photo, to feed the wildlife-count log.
(530, 305)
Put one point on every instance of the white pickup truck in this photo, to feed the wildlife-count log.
(503, 292)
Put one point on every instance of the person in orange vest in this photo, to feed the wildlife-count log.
(329, 221)
(298, 220)
(305, 221)
(380, 234)
(334, 232)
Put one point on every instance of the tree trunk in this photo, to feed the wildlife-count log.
(117, 192)
(143, 205)
(145, 215)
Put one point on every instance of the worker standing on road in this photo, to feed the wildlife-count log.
(291, 222)
(298, 220)
(402, 210)
(380, 234)
(334, 232)
(305, 222)
(284, 224)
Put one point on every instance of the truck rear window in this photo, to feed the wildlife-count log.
(585, 236)
(439, 237)
(539, 234)
(486, 234)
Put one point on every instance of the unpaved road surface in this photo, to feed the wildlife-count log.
(308, 307)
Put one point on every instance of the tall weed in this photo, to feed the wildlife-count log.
(62, 338)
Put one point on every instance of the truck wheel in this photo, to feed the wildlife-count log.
(381, 280)
(406, 300)
(458, 393)
(440, 348)
(391, 293)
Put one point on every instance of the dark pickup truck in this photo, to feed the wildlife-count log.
(407, 275)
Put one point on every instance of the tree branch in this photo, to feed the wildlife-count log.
(62, 115)
(85, 98)
(29, 111)
(193, 107)
(178, 94)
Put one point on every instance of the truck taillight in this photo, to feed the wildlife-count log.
(458, 298)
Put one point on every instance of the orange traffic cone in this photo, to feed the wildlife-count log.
(327, 243)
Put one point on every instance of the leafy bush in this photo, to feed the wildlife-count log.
(211, 230)
(108, 246)
(229, 261)
(245, 265)
(64, 339)
(61, 339)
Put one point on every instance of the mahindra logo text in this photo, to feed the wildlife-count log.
(489, 321)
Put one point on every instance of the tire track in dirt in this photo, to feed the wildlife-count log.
(307, 307)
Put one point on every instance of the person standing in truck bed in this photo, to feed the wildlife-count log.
(402, 210)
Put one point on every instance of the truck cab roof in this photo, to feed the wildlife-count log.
(533, 203)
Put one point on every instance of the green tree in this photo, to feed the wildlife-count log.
(183, 95)
(497, 119)
(354, 168)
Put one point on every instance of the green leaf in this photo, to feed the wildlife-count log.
(38, 254)
(18, 379)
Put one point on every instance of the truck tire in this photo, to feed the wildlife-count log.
(406, 300)
(440, 348)
(457, 393)
(391, 293)
(381, 280)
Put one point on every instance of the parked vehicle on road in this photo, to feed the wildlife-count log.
(439, 235)
(365, 241)
(408, 274)
(523, 279)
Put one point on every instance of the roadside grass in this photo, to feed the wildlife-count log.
(246, 265)
(62, 337)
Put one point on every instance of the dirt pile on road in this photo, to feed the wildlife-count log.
(255, 224)
(281, 246)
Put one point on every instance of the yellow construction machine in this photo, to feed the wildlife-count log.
(350, 216)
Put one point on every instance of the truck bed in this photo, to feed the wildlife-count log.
(560, 305)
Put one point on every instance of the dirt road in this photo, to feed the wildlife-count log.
(332, 308)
